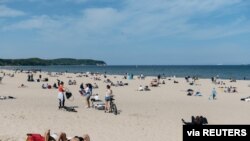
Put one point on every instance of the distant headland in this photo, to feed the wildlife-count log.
(49, 62)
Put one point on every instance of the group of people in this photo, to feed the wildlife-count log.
(213, 96)
(198, 120)
(72, 82)
(30, 78)
(46, 86)
(154, 83)
(145, 88)
(230, 89)
(56, 137)
(86, 91)
(141, 76)
(191, 93)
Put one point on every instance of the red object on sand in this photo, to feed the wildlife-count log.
(35, 137)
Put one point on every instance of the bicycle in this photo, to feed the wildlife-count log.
(113, 108)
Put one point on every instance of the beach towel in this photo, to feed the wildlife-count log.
(247, 99)
(35, 137)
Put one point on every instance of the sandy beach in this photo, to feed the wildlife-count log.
(143, 115)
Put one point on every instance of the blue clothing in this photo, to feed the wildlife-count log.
(198, 94)
(108, 98)
(213, 95)
(213, 92)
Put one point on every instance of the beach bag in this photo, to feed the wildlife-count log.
(35, 137)
(68, 95)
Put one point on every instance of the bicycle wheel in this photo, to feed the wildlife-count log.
(114, 109)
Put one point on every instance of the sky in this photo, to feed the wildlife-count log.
(128, 32)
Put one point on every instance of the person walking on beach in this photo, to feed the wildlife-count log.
(60, 96)
(213, 95)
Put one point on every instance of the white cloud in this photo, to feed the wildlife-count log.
(239, 26)
(98, 19)
(8, 12)
(141, 24)
(140, 19)
(39, 22)
(170, 17)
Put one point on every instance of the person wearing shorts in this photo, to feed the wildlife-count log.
(60, 96)
(108, 96)
(87, 94)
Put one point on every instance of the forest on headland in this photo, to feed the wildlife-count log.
(48, 62)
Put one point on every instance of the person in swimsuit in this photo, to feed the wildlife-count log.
(56, 137)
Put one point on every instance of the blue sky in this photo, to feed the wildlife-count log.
(128, 32)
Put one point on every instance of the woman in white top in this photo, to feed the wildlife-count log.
(108, 96)
(87, 94)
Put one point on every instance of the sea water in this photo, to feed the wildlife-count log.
(222, 71)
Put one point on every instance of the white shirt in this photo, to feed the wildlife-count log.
(140, 88)
(108, 93)
(87, 90)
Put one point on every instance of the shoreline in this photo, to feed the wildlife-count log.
(119, 73)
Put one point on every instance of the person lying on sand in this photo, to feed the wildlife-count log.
(6, 97)
(198, 120)
(95, 86)
(140, 88)
(146, 88)
(154, 83)
(56, 137)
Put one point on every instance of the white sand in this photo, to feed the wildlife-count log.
(154, 115)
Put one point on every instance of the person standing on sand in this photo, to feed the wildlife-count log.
(87, 94)
(159, 77)
(213, 95)
(60, 96)
(108, 97)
